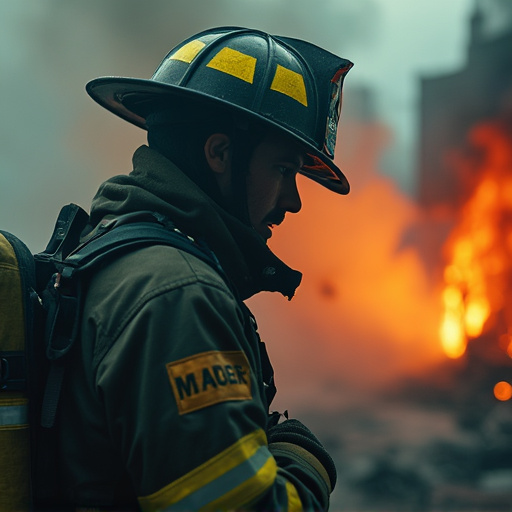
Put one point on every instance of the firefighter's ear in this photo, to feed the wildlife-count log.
(217, 151)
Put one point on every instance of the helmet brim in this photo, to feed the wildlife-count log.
(133, 98)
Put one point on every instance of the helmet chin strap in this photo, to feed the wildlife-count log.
(240, 159)
(244, 141)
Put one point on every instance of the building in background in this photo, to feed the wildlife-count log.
(452, 104)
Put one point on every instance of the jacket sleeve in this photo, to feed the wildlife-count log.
(181, 387)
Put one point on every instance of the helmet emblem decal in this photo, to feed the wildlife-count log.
(333, 114)
(187, 53)
(290, 83)
(235, 63)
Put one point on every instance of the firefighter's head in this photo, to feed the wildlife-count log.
(268, 188)
(247, 167)
(249, 87)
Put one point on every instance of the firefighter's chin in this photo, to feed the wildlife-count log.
(264, 230)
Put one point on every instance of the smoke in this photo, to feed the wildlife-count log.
(57, 145)
(497, 16)
(366, 313)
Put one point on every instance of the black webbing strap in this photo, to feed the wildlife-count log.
(65, 307)
(52, 395)
(129, 237)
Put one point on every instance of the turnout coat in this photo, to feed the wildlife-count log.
(166, 401)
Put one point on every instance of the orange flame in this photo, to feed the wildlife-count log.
(503, 391)
(365, 313)
(480, 247)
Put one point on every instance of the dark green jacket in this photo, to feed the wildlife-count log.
(164, 403)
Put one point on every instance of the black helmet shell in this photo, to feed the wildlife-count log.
(290, 84)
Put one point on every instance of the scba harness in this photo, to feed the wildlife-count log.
(41, 299)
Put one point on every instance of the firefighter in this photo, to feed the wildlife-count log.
(167, 404)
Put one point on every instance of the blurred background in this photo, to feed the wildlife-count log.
(397, 349)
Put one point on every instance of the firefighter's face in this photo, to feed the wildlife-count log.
(271, 183)
(271, 178)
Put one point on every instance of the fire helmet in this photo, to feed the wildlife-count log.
(288, 84)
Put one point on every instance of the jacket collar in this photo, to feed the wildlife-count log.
(157, 184)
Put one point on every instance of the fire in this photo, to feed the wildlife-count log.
(479, 248)
(503, 391)
(366, 312)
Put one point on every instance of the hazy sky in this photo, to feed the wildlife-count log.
(56, 144)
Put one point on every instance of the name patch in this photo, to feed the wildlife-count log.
(209, 378)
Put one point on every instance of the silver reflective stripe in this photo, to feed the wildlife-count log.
(224, 483)
(13, 415)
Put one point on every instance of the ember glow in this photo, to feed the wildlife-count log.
(478, 274)
(503, 391)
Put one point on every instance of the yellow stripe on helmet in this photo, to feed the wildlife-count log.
(290, 83)
(188, 52)
(235, 63)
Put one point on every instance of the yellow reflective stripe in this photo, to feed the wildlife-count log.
(251, 446)
(187, 53)
(294, 503)
(290, 83)
(232, 62)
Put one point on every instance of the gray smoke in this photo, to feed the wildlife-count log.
(56, 144)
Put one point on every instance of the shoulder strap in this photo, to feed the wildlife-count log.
(64, 296)
(128, 237)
